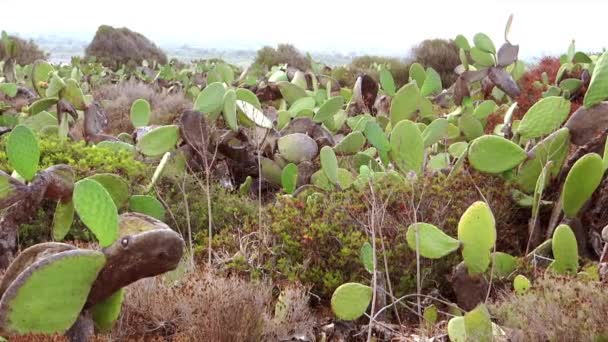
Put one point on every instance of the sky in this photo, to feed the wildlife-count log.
(540, 27)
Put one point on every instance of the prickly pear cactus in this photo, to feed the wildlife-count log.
(582, 181)
(97, 210)
(432, 242)
(565, 251)
(49, 294)
(494, 154)
(158, 141)
(23, 152)
(350, 301)
(140, 113)
(477, 232)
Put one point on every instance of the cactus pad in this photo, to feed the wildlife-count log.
(229, 111)
(48, 296)
(116, 186)
(289, 178)
(158, 141)
(477, 232)
(329, 108)
(140, 113)
(96, 210)
(582, 180)
(351, 144)
(350, 301)
(211, 99)
(62, 219)
(147, 205)
(108, 311)
(521, 284)
(494, 154)
(407, 147)
(433, 242)
(596, 91)
(544, 117)
(329, 164)
(253, 114)
(297, 147)
(565, 251)
(23, 152)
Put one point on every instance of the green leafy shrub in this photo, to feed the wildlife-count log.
(318, 243)
(556, 309)
(441, 55)
(114, 47)
(27, 51)
(282, 54)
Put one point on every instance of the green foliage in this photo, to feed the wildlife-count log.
(97, 210)
(159, 140)
(565, 251)
(581, 182)
(432, 242)
(503, 264)
(350, 301)
(289, 177)
(23, 152)
(367, 257)
(56, 288)
(147, 205)
(140, 113)
(494, 154)
(477, 233)
(521, 284)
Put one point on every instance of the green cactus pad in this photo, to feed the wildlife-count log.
(458, 148)
(482, 58)
(581, 182)
(48, 296)
(9, 89)
(245, 187)
(42, 105)
(39, 121)
(291, 92)
(351, 144)
(470, 126)
(433, 242)
(345, 178)
(253, 114)
(96, 210)
(484, 43)
(140, 113)
(494, 154)
(211, 99)
(544, 117)
(521, 284)
(432, 83)
(407, 147)
(553, 148)
(289, 178)
(62, 219)
(462, 42)
(73, 94)
(361, 159)
(387, 82)
(366, 255)
(404, 103)
(417, 74)
(375, 135)
(329, 108)
(435, 131)
(478, 325)
(503, 264)
(350, 301)
(305, 103)
(485, 109)
(23, 152)
(158, 141)
(147, 205)
(477, 232)
(319, 179)
(297, 147)
(329, 164)
(41, 71)
(438, 162)
(596, 91)
(108, 311)
(271, 171)
(247, 95)
(56, 84)
(456, 331)
(565, 251)
(229, 111)
(117, 187)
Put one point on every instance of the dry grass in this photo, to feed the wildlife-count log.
(118, 98)
(207, 308)
(557, 309)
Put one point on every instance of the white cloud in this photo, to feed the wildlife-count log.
(376, 26)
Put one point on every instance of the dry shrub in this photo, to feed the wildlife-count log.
(441, 55)
(118, 98)
(399, 68)
(27, 51)
(208, 308)
(114, 47)
(556, 309)
(283, 54)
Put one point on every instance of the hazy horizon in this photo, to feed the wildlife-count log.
(386, 28)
